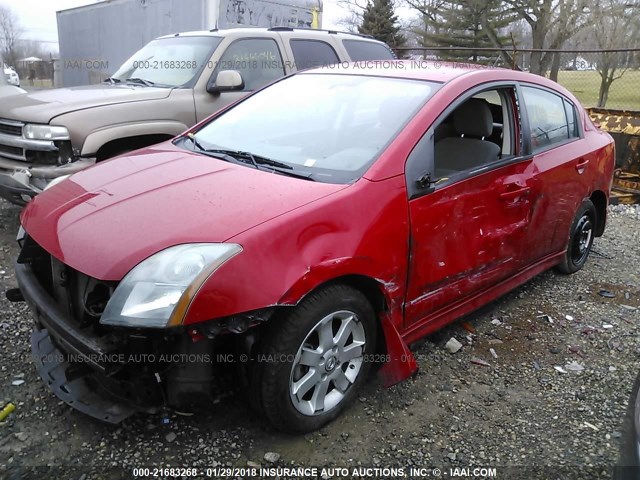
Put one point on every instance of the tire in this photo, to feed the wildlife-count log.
(581, 238)
(324, 323)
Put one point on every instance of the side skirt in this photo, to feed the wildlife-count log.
(450, 313)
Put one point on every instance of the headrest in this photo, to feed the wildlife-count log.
(473, 118)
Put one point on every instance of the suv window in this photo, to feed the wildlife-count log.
(361, 50)
(312, 53)
(547, 118)
(257, 59)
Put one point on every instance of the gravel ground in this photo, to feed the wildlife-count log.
(553, 395)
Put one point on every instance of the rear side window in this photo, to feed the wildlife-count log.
(360, 50)
(551, 118)
(312, 53)
(257, 59)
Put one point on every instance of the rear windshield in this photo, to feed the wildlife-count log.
(360, 50)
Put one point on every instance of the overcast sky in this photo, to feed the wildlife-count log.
(38, 17)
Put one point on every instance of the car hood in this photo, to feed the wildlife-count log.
(6, 90)
(42, 106)
(106, 219)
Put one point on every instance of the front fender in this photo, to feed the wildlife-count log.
(339, 268)
(400, 363)
(98, 138)
(361, 230)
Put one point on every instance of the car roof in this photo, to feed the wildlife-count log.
(434, 71)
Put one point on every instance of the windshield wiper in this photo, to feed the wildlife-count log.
(257, 161)
(141, 81)
(112, 80)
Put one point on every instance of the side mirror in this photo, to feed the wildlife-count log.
(226, 81)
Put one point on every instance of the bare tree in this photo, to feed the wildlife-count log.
(353, 18)
(613, 20)
(552, 23)
(10, 33)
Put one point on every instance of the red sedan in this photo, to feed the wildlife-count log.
(312, 229)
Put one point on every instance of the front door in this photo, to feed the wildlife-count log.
(468, 231)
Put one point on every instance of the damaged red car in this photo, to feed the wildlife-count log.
(305, 234)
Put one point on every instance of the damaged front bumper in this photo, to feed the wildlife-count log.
(20, 181)
(117, 373)
(27, 165)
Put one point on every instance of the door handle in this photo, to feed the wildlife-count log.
(513, 195)
(582, 165)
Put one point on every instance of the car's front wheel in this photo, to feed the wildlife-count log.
(313, 360)
(581, 238)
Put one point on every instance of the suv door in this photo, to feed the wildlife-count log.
(468, 229)
(259, 61)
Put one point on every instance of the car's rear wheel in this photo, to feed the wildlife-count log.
(313, 360)
(581, 238)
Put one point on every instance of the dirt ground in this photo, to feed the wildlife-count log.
(554, 395)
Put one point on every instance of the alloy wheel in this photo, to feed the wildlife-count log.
(327, 363)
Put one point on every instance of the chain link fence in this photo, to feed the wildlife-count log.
(585, 73)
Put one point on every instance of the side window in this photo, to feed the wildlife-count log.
(476, 133)
(361, 50)
(571, 119)
(547, 118)
(312, 53)
(257, 59)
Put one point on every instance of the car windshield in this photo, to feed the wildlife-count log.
(168, 62)
(325, 126)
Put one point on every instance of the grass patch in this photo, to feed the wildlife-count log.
(624, 93)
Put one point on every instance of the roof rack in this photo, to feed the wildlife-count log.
(331, 32)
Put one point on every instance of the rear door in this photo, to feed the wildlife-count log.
(468, 230)
(560, 159)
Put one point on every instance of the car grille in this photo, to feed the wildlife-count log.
(11, 150)
(81, 298)
(9, 127)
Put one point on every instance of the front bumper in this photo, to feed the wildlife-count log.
(52, 329)
(95, 352)
(111, 375)
(75, 392)
(21, 181)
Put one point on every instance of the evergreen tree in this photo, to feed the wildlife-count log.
(476, 24)
(380, 21)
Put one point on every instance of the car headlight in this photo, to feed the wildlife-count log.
(45, 132)
(158, 291)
